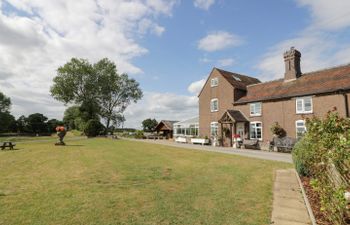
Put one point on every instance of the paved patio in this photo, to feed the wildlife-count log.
(275, 156)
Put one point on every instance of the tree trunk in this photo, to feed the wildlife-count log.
(107, 125)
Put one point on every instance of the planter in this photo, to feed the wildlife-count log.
(181, 139)
(201, 141)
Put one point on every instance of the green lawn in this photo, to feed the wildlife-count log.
(102, 181)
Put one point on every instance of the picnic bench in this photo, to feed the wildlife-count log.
(7, 144)
(251, 143)
(284, 144)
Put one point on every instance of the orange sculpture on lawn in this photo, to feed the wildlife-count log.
(61, 132)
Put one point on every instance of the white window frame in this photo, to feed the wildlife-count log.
(302, 101)
(214, 82)
(254, 111)
(297, 126)
(212, 109)
(214, 125)
(250, 130)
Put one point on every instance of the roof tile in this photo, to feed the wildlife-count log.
(318, 82)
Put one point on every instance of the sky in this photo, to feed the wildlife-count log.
(168, 46)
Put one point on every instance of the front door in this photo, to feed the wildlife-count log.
(240, 130)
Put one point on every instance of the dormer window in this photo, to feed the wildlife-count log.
(236, 78)
(214, 82)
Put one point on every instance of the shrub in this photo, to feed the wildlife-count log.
(276, 129)
(93, 128)
(324, 155)
(139, 134)
(302, 156)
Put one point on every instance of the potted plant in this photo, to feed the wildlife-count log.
(236, 140)
(200, 140)
(277, 130)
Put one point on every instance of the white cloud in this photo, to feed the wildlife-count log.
(226, 62)
(312, 48)
(196, 86)
(161, 106)
(39, 36)
(327, 14)
(147, 25)
(203, 4)
(219, 40)
(318, 43)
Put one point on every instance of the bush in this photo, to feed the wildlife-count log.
(139, 134)
(324, 155)
(93, 128)
(277, 130)
(302, 156)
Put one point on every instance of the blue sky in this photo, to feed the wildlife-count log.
(175, 56)
(169, 46)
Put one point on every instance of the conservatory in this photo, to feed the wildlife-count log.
(187, 128)
(187, 131)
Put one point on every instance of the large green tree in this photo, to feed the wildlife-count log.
(36, 123)
(5, 103)
(76, 82)
(149, 125)
(116, 92)
(7, 121)
(98, 89)
(22, 124)
(73, 118)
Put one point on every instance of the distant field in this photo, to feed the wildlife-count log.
(25, 138)
(103, 181)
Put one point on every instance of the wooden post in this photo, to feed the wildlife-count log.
(222, 135)
(231, 125)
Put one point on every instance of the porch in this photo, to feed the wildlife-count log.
(233, 125)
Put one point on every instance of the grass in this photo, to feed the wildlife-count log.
(102, 181)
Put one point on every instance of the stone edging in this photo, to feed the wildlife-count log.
(307, 203)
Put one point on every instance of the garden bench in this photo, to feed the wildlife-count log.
(284, 144)
(251, 144)
(7, 144)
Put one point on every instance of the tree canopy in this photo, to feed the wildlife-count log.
(5, 103)
(98, 90)
(7, 121)
(149, 125)
(37, 123)
(116, 91)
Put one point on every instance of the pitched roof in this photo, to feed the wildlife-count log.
(318, 82)
(234, 116)
(236, 80)
(188, 122)
(237, 115)
(167, 123)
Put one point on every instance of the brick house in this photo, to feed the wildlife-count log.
(231, 103)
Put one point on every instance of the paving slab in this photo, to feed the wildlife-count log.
(288, 204)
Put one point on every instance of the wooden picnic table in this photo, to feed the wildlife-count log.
(7, 144)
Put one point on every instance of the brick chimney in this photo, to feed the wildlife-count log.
(292, 64)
